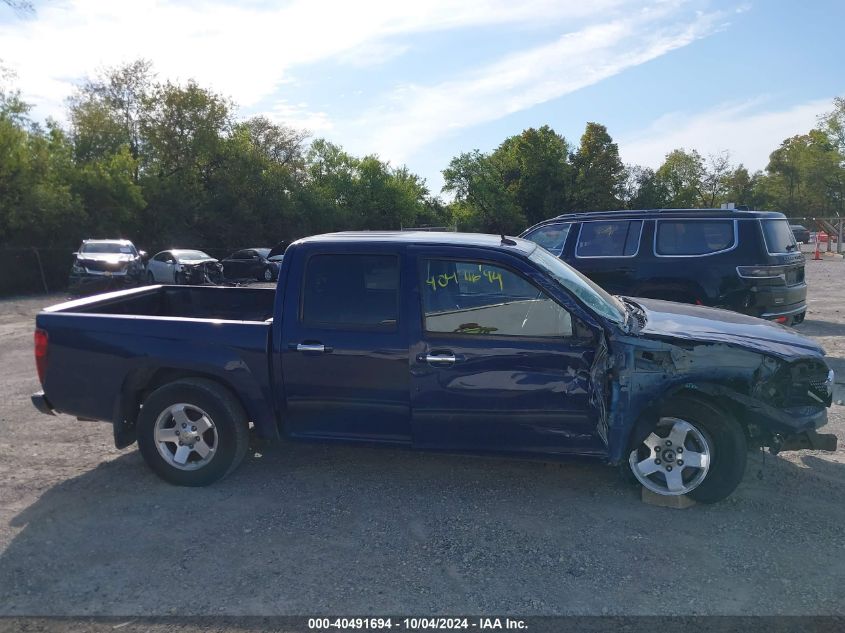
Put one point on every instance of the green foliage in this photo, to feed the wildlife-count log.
(171, 165)
(483, 201)
(599, 172)
(536, 172)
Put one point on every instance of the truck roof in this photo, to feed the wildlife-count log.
(442, 238)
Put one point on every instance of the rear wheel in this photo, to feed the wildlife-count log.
(192, 432)
(695, 449)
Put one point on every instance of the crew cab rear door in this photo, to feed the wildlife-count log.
(345, 346)
(496, 364)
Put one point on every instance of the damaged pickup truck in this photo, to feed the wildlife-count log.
(435, 341)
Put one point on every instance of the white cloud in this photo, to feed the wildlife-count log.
(747, 131)
(244, 51)
(299, 115)
(417, 115)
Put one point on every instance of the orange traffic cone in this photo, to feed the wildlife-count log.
(817, 255)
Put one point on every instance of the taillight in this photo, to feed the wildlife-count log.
(762, 272)
(41, 341)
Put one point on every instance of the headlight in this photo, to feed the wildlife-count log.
(77, 268)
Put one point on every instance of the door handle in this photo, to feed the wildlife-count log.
(440, 359)
(311, 347)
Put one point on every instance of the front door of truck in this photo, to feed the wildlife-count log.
(345, 348)
(499, 365)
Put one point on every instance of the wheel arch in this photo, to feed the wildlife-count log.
(714, 395)
(143, 381)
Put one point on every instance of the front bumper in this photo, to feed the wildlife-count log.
(39, 400)
(91, 282)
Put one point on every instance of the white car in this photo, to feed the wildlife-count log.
(182, 266)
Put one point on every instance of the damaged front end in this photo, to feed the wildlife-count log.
(780, 401)
(800, 393)
(208, 272)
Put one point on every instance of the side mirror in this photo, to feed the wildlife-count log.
(75, 254)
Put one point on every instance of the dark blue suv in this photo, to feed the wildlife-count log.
(746, 261)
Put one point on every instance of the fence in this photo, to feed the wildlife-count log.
(34, 270)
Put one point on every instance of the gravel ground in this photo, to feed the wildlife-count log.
(311, 529)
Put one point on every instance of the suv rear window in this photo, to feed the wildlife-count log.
(779, 237)
(351, 290)
(551, 237)
(617, 238)
(693, 237)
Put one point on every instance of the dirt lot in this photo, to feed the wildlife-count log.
(310, 529)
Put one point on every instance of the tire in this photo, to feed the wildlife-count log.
(266, 275)
(194, 403)
(705, 431)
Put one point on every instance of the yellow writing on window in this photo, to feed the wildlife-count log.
(444, 279)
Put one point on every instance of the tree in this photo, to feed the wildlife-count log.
(536, 172)
(106, 113)
(599, 172)
(680, 177)
(805, 176)
(482, 201)
(642, 189)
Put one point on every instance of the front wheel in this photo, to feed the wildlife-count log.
(192, 432)
(267, 275)
(695, 449)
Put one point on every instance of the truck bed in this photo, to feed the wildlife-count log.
(194, 302)
(101, 347)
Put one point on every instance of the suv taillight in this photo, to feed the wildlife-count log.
(762, 272)
(41, 341)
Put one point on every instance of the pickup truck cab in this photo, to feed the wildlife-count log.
(437, 341)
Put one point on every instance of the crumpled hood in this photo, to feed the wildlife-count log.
(699, 323)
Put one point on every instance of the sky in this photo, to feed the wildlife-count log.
(419, 82)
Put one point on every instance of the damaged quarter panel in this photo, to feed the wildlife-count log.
(770, 378)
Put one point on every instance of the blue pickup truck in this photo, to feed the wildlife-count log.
(437, 341)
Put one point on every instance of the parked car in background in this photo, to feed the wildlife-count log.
(801, 233)
(101, 265)
(184, 266)
(746, 261)
(250, 263)
(435, 341)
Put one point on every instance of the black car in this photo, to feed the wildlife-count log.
(746, 261)
(801, 233)
(251, 263)
(101, 265)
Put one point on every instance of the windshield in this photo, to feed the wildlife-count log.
(262, 251)
(101, 248)
(779, 237)
(191, 255)
(593, 296)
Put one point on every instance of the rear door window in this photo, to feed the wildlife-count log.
(552, 237)
(615, 238)
(694, 237)
(351, 291)
(779, 237)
